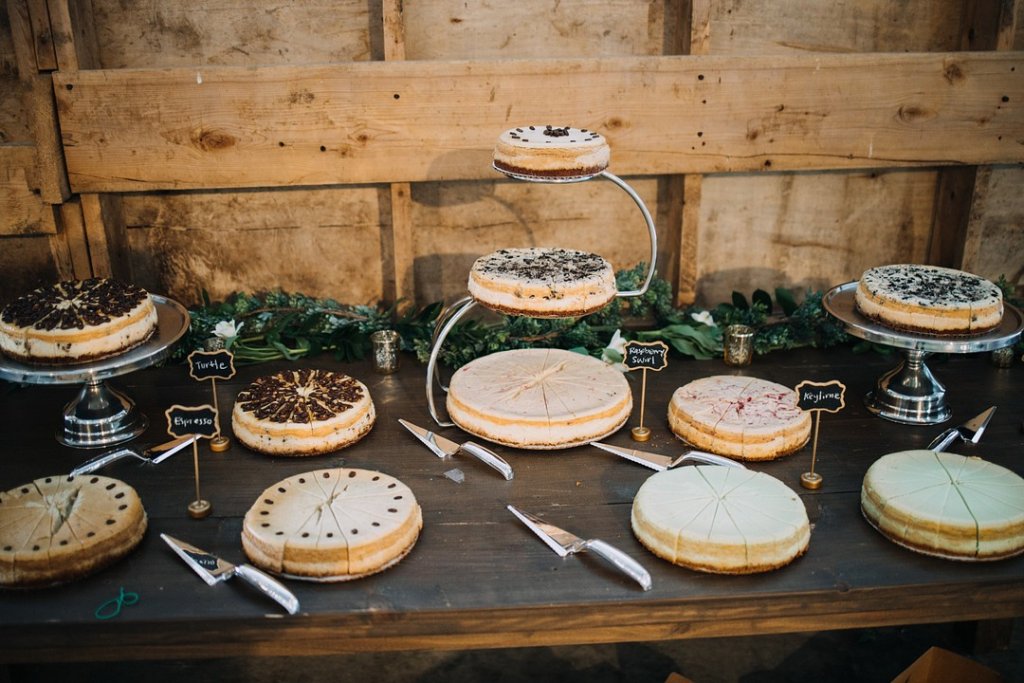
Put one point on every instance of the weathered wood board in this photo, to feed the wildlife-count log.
(22, 211)
(383, 122)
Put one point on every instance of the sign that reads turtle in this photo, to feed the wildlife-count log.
(185, 420)
(211, 364)
(825, 396)
(646, 356)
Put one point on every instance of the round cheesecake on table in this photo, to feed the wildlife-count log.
(551, 152)
(723, 520)
(946, 505)
(76, 321)
(332, 524)
(542, 282)
(60, 528)
(929, 299)
(302, 412)
(741, 417)
(539, 399)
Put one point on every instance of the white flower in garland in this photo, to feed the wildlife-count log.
(227, 329)
(615, 352)
(704, 318)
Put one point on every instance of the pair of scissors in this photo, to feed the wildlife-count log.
(111, 608)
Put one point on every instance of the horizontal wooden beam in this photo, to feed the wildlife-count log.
(139, 129)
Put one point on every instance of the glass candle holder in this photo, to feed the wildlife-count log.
(386, 344)
(738, 345)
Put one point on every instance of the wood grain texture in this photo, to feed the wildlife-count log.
(476, 578)
(224, 127)
(22, 210)
(73, 229)
(50, 169)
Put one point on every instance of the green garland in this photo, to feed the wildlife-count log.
(279, 325)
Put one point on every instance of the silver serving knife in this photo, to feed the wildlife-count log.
(442, 448)
(213, 569)
(660, 462)
(153, 456)
(968, 431)
(565, 543)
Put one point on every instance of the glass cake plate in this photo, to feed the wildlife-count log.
(910, 393)
(101, 416)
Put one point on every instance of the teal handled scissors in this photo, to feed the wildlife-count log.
(111, 608)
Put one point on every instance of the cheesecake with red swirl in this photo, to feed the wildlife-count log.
(302, 412)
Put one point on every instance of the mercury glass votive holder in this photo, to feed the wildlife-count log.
(738, 345)
(386, 345)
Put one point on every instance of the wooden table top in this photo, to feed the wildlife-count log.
(477, 577)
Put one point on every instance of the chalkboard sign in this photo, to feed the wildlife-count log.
(211, 364)
(825, 396)
(186, 420)
(649, 356)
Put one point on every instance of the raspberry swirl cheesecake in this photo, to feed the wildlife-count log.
(551, 152)
(302, 412)
(76, 321)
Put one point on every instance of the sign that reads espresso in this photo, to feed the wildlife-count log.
(646, 356)
(199, 420)
(211, 364)
(825, 396)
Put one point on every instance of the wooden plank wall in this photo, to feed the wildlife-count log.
(249, 187)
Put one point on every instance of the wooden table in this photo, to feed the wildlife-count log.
(477, 578)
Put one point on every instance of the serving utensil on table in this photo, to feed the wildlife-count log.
(968, 431)
(153, 455)
(565, 543)
(443, 448)
(659, 462)
(213, 569)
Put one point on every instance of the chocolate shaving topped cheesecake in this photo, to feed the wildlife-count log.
(551, 152)
(929, 299)
(76, 321)
(302, 412)
(542, 282)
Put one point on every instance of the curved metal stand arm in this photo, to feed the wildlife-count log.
(650, 229)
(451, 318)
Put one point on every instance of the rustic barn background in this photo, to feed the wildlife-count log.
(342, 148)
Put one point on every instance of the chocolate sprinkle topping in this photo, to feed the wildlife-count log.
(930, 285)
(73, 304)
(300, 396)
(542, 264)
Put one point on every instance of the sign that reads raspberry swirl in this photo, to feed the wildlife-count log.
(646, 356)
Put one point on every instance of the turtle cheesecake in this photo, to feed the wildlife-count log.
(944, 504)
(302, 412)
(929, 299)
(722, 520)
(542, 282)
(60, 528)
(539, 399)
(76, 321)
(551, 152)
(742, 417)
(332, 524)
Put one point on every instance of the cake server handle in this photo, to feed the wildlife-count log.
(103, 460)
(269, 586)
(621, 561)
(943, 440)
(488, 457)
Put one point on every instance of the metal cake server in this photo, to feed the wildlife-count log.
(154, 455)
(968, 431)
(442, 448)
(213, 569)
(660, 462)
(565, 543)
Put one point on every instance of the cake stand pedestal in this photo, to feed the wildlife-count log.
(910, 393)
(101, 416)
(451, 316)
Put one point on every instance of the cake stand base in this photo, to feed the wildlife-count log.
(100, 416)
(909, 393)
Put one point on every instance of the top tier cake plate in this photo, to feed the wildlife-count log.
(454, 313)
(101, 416)
(910, 393)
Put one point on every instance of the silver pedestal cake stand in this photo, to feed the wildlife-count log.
(451, 316)
(101, 416)
(910, 393)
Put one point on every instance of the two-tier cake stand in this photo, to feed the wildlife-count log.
(101, 416)
(910, 393)
(460, 308)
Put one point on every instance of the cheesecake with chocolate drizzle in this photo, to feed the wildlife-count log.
(551, 152)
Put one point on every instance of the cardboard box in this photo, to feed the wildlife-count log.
(942, 666)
